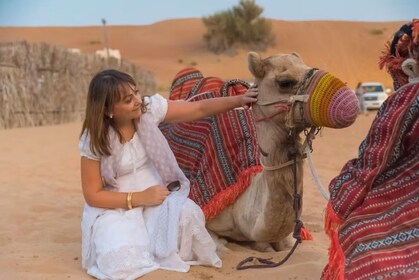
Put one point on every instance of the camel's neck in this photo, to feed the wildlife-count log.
(267, 205)
(277, 144)
(278, 184)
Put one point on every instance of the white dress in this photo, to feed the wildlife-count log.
(116, 242)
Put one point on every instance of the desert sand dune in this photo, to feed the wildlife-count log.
(349, 50)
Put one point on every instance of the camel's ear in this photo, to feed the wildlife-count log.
(297, 56)
(255, 65)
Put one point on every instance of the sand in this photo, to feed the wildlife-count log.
(42, 201)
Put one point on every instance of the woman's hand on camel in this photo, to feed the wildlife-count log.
(154, 195)
(249, 97)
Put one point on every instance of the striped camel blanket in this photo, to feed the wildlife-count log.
(373, 213)
(218, 154)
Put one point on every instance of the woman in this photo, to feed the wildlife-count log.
(359, 91)
(372, 216)
(132, 223)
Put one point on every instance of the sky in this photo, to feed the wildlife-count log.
(145, 12)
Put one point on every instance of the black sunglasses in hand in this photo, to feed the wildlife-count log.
(173, 186)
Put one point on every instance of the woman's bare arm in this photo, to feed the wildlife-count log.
(183, 111)
(96, 196)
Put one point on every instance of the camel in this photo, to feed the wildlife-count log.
(264, 213)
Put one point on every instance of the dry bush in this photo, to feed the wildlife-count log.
(240, 27)
(43, 84)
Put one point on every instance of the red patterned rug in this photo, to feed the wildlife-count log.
(218, 154)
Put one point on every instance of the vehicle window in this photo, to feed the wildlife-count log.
(372, 88)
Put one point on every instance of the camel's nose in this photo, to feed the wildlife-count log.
(331, 103)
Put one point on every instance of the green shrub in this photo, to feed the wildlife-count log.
(376, 32)
(241, 26)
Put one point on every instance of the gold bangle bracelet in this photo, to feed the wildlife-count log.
(129, 200)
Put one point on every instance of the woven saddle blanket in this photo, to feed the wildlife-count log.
(218, 154)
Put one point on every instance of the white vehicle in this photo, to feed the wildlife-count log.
(374, 95)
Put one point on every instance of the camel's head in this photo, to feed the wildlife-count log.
(299, 96)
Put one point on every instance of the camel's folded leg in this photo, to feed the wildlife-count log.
(261, 246)
(284, 244)
(220, 242)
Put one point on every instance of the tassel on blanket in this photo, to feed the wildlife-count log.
(305, 234)
(230, 194)
(335, 269)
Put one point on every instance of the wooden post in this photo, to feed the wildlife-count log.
(105, 39)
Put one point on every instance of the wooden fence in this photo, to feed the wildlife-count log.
(41, 84)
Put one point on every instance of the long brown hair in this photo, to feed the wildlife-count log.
(104, 92)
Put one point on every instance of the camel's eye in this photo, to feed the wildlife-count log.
(286, 84)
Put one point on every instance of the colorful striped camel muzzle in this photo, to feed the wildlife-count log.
(322, 100)
(330, 102)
